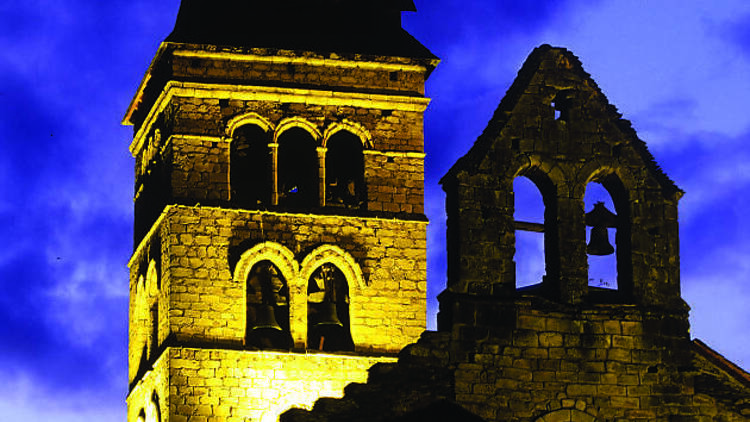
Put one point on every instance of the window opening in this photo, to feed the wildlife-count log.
(561, 106)
(557, 111)
(297, 169)
(345, 171)
(328, 310)
(601, 233)
(154, 331)
(153, 412)
(249, 167)
(267, 308)
(528, 214)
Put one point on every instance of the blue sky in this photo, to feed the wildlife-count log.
(68, 69)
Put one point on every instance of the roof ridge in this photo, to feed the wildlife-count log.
(722, 362)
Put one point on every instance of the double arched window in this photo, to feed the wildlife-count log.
(605, 218)
(294, 166)
(289, 304)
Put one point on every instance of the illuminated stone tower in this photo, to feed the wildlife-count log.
(279, 225)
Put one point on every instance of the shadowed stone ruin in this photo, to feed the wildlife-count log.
(279, 266)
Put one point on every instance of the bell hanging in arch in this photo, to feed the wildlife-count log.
(266, 318)
(600, 218)
(599, 242)
(328, 314)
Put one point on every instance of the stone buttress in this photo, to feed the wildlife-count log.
(279, 207)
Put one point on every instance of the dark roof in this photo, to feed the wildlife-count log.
(721, 362)
(531, 66)
(370, 27)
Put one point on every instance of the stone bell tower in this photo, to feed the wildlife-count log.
(279, 221)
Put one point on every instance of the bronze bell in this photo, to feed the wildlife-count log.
(266, 318)
(599, 243)
(600, 218)
(328, 314)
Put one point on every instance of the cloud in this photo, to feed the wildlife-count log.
(21, 399)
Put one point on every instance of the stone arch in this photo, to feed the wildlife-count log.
(250, 163)
(599, 170)
(566, 415)
(152, 279)
(330, 273)
(619, 183)
(247, 118)
(298, 168)
(546, 178)
(279, 255)
(299, 122)
(140, 285)
(141, 416)
(344, 166)
(349, 126)
(153, 411)
(334, 255)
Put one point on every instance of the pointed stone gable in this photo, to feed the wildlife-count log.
(552, 82)
(555, 127)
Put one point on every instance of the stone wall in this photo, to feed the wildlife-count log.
(531, 360)
(200, 299)
(228, 385)
(185, 158)
(150, 396)
(292, 69)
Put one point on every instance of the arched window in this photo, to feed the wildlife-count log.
(297, 169)
(153, 412)
(345, 171)
(528, 214)
(154, 335)
(267, 308)
(249, 167)
(608, 236)
(537, 258)
(328, 310)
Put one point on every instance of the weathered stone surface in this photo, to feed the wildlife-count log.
(559, 351)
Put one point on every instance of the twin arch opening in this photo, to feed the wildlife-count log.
(276, 289)
(538, 234)
(295, 166)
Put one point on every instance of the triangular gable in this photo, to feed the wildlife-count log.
(549, 69)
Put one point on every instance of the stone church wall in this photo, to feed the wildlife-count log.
(202, 245)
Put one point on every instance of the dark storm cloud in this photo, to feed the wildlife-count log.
(738, 33)
(65, 73)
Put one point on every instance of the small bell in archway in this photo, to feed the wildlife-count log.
(266, 318)
(328, 315)
(600, 219)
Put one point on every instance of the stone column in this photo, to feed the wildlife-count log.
(273, 151)
(322, 175)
